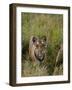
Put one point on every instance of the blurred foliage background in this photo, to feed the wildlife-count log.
(49, 25)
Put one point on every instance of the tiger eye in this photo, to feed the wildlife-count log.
(43, 44)
(37, 45)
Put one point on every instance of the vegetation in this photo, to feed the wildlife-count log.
(50, 25)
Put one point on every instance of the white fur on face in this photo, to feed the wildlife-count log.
(37, 43)
(42, 42)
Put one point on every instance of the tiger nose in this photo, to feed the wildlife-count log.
(40, 54)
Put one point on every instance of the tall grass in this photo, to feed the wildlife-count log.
(50, 25)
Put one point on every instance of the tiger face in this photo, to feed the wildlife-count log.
(39, 48)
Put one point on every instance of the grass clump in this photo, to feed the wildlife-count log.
(49, 25)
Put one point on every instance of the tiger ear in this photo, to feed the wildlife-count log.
(44, 38)
(34, 39)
